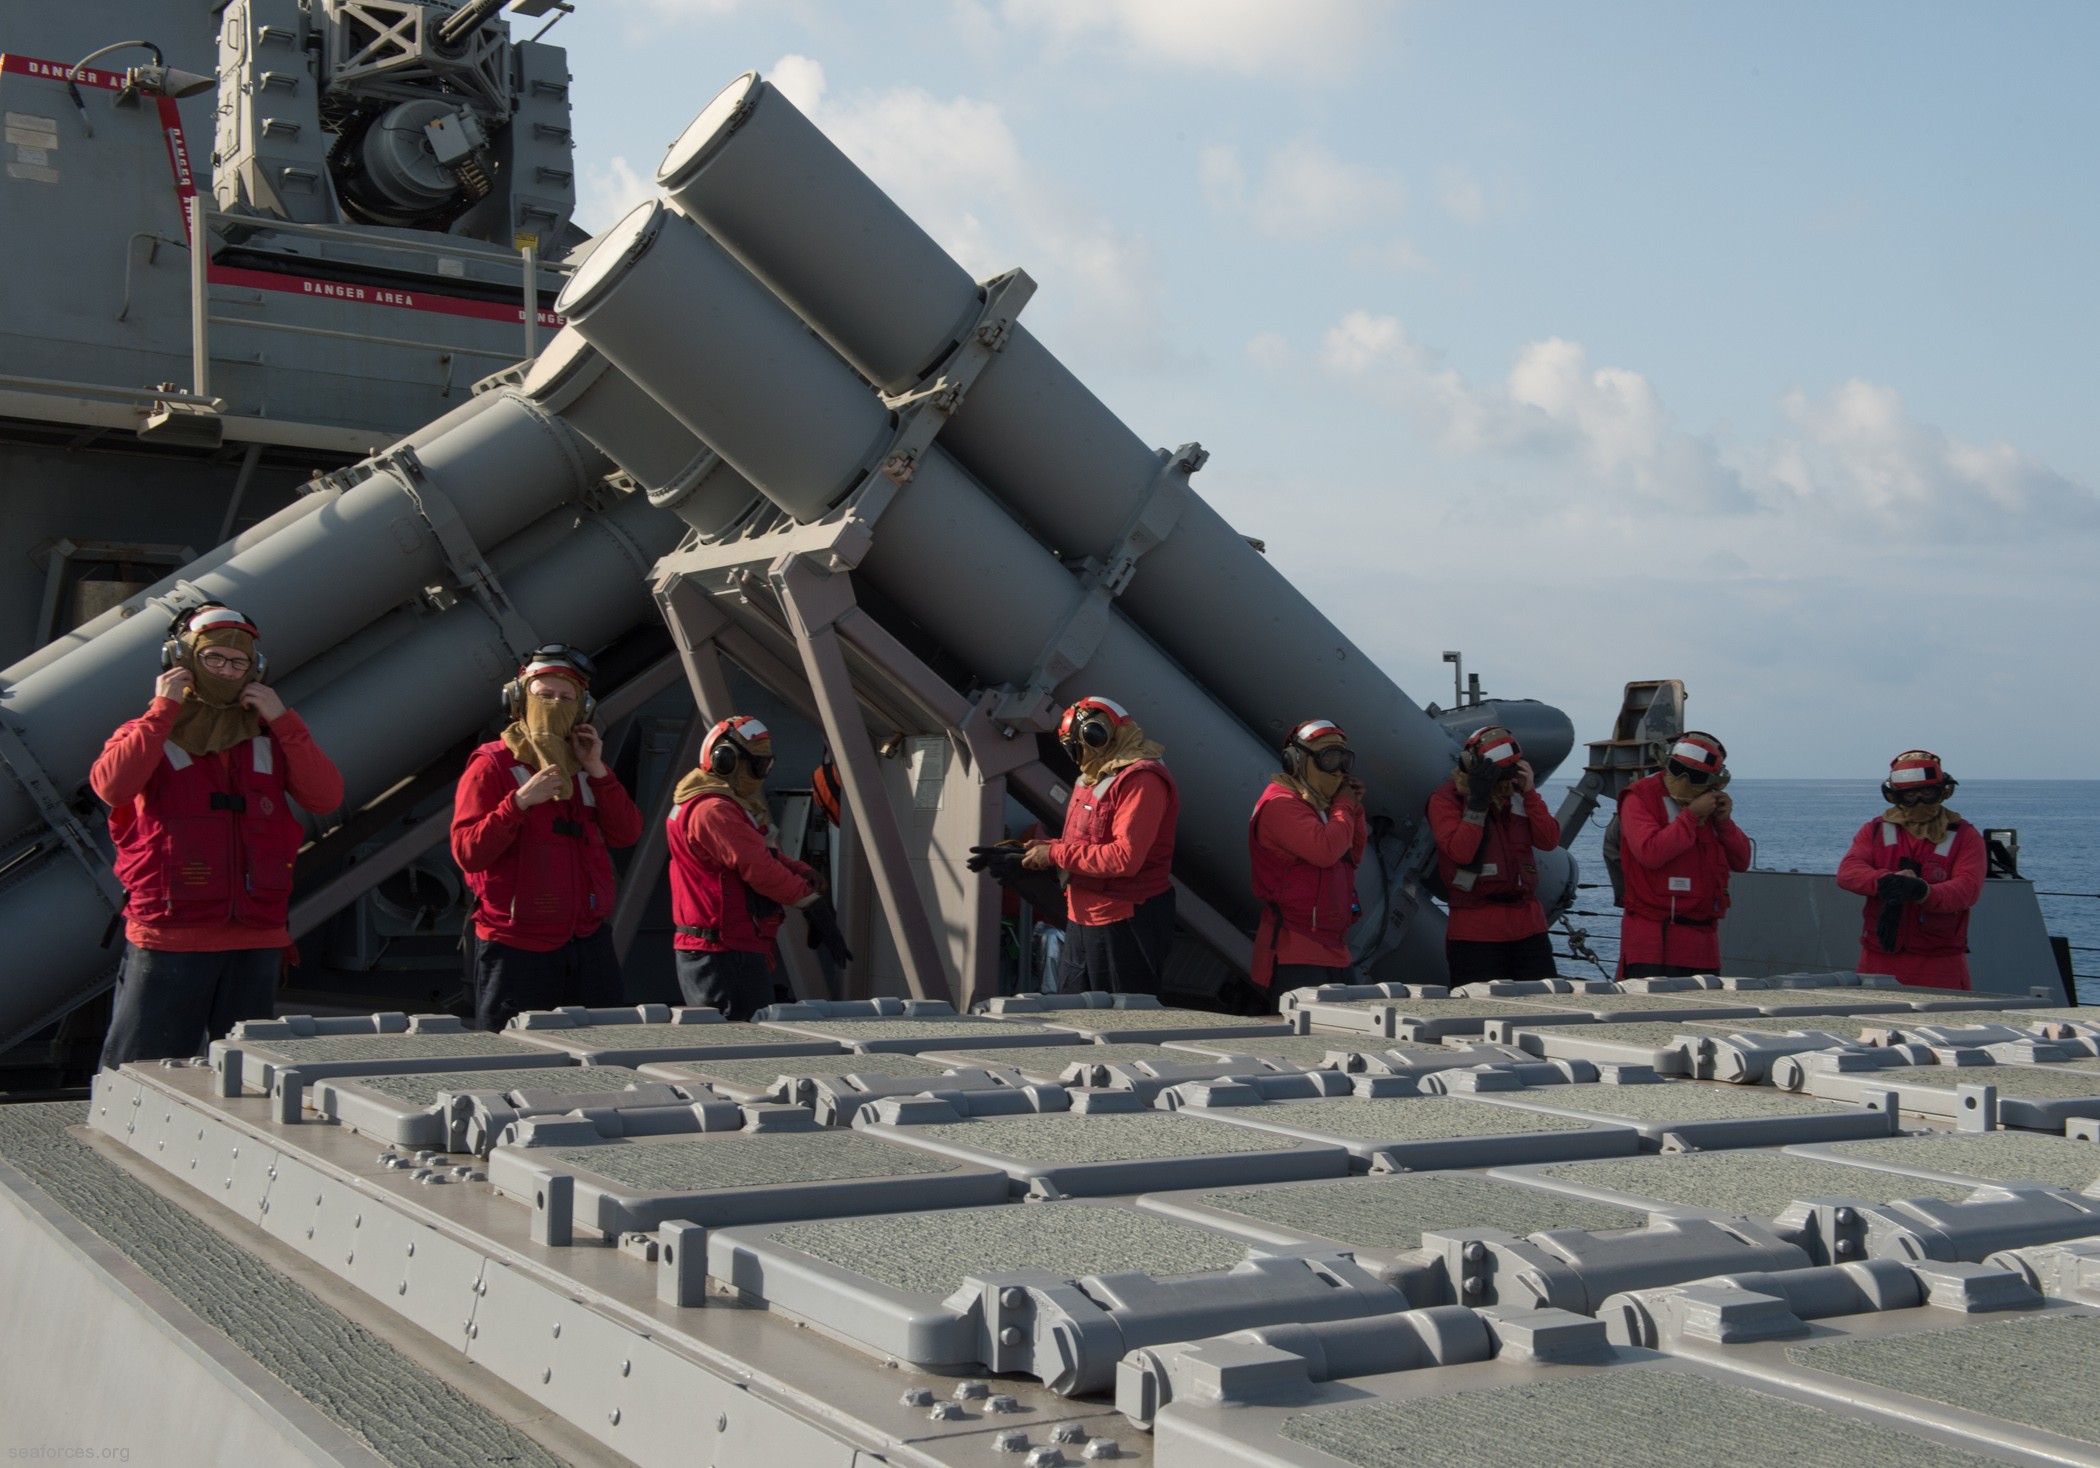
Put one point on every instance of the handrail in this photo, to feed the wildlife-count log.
(57, 387)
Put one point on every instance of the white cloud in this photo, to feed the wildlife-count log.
(954, 165)
(1461, 195)
(1851, 462)
(1398, 253)
(799, 79)
(609, 192)
(1302, 191)
(1269, 351)
(1249, 37)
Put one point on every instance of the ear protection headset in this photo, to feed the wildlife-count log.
(1917, 771)
(1090, 724)
(1698, 757)
(1298, 751)
(558, 658)
(212, 614)
(728, 747)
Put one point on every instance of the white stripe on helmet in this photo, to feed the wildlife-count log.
(1316, 729)
(212, 617)
(1108, 703)
(1914, 775)
(1697, 754)
(1499, 753)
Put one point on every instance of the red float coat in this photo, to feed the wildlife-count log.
(1304, 867)
(1676, 868)
(720, 860)
(1118, 844)
(543, 876)
(201, 879)
(1500, 907)
(1932, 945)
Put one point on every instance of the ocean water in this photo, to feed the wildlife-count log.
(1805, 825)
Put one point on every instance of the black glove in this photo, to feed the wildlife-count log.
(1887, 926)
(1902, 887)
(823, 921)
(1480, 785)
(1003, 861)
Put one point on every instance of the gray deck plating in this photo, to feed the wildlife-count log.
(1086, 1155)
(1982, 1157)
(885, 1281)
(920, 1034)
(720, 1179)
(1382, 1219)
(1420, 1133)
(318, 1057)
(1722, 1184)
(1702, 1115)
(640, 1044)
(402, 1108)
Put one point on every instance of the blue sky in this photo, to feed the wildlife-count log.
(1747, 345)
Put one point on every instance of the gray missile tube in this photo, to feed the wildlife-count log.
(944, 552)
(780, 196)
(503, 465)
(377, 722)
(806, 427)
(306, 504)
(571, 378)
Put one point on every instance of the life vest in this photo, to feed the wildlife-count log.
(1304, 898)
(1689, 889)
(1928, 934)
(1503, 872)
(712, 908)
(556, 880)
(195, 853)
(1090, 820)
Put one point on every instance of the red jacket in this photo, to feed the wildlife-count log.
(1932, 943)
(205, 843)
(1500, 906)
(1118, 843)
(543, 876)
(728, 886)
(1304, 865)
(1676, 868)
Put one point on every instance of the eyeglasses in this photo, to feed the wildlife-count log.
(223, 662)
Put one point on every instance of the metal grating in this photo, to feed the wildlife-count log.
(1392, 1212)
(764, 1072)
(2038, 1373)
(1151, 1019)
(1130, 1136)
(730, 1161)
(1301, 1049)
(1626, 1418)
(359, 1381)
(1760, 1184)
(1654, 1032)
(931, 1252)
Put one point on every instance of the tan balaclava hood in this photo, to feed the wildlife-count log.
(746, 781)
(1928, 820)
(1318, 787)
(540, 739)
(212, 717)
(1127, 747)
(1684, 792)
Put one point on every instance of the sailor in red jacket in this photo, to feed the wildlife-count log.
(1921, 868)
(1678, 843)
(1488, 819)
(1116, 853)
(532, 823)
(205, 835)
(1304, 842)
(730, 884)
